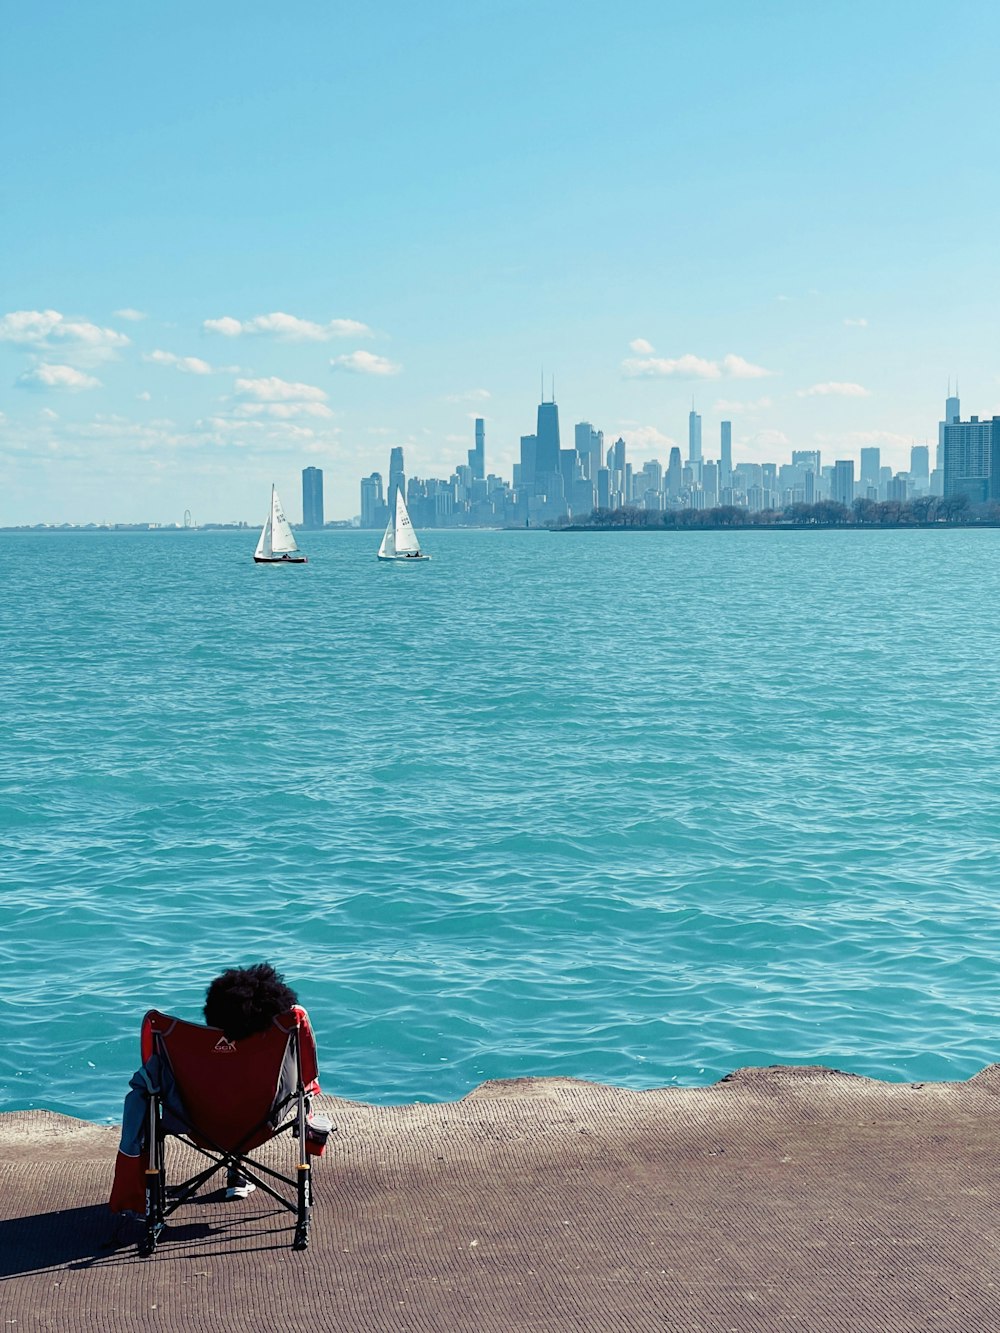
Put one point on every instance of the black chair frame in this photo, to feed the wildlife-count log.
(159, 1208)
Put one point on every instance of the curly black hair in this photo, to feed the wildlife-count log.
(245, 1000)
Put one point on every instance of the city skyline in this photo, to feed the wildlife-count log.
(595, 472)
(205, 289)
(552, 484)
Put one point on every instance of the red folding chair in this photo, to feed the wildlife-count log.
(227, 1099)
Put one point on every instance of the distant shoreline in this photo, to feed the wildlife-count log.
(777, 527)
(132, 530)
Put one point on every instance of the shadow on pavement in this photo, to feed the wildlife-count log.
(70, 1236)
(92, 1236)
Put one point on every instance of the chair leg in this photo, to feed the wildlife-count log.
(161, 1163)
(154, 1212)
(304, 1186)
(155, 1182)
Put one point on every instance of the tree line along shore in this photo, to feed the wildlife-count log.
(926, 511)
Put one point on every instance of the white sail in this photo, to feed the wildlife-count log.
(388, 548)
(282, 537)
(406, 538)
(263, 550)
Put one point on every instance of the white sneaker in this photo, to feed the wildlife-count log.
(241, 1190)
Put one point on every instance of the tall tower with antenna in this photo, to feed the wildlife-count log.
(547, 434)
(477, 456)
(694, 435)
(952, 412)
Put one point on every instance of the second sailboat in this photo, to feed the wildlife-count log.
(400, 542)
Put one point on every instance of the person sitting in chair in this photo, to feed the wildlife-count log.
(242, 1001)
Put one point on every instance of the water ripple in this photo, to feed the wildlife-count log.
(631, 808)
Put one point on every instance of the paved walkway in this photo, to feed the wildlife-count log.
(776, 1200)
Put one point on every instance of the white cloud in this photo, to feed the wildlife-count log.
(682, 367)
(365, 363)
(144, 397)
(280, 399)
(768, 439)
(641, 346)
(731, 405)
(268, 435)
(645, 437)
(45, 376)
(49, 329)
(739, 368)
(289, 327)
(470, 396)
(692, 368)
(130, 314)
(274, 390)
(835, 389)
(284, 411)
(191, 365)
(48, 415)
(131, 451)
(227, 326)
(859, 323)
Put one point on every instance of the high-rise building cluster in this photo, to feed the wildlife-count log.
(470, 497)
(968, 455)
(552, 483)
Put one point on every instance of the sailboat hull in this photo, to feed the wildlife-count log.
(403, 559)
(280, 560)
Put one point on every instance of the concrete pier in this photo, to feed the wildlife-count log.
(779, 1199)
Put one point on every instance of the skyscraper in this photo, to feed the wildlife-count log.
(312, 497)
(919, 468)
(726, 455)
(871, 464)
(650, 478)
(710, 483)
(570, 469)
(547, 435)
(694, 437)
(590, 445)
(674, 478)
(477, 456)
(808, 459)
(529, 455)
(972, 458)
(372, 503)
(843, 482)
(617, 466)
(952, 412)
(397, 476)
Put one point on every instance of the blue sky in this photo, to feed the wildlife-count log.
(348, 227)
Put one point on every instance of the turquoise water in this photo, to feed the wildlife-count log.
(640, 808)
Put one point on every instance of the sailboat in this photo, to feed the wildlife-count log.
(400, 541)
(276, 545)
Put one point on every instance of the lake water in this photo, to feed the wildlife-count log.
(639, 808)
